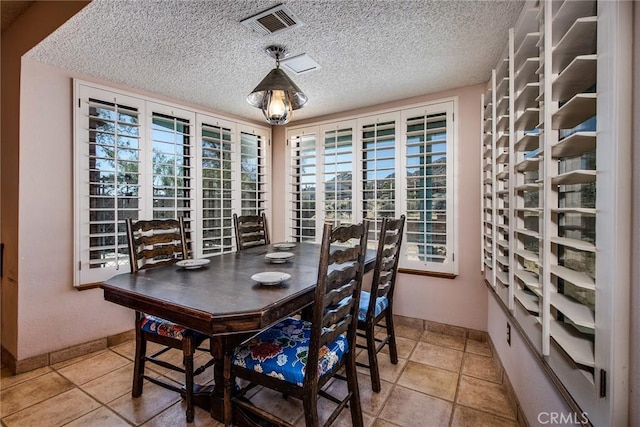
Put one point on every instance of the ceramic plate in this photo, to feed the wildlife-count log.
(270, 277)
(190, 264)
(284, 246)
(279, 257)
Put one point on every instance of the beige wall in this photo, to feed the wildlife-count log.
(634, 383)
(31, 27)
(53, 315)
(47, 300)
(463, 300)
(50, 309)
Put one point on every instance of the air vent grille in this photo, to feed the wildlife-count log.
(300, 64)
(273, 20)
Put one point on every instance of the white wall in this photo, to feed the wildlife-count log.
(526, 376)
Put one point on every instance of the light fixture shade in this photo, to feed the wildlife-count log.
(277, 95)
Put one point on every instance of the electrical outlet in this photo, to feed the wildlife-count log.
(509, 334)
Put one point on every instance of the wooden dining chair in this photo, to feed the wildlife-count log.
(377, 304)
(251, 230)
(298, 357)
(154, 243)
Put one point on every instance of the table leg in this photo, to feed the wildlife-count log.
(219, 345)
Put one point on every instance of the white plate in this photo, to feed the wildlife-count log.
(271, 277)
(284, 246)
(279, 257)
(190, 264)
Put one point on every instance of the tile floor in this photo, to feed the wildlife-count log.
(440, 380)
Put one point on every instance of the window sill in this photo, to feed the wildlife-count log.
(87, 286)
(427, 273)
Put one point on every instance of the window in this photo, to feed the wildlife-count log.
(136, 158)
(253, 171)
(428, 193)
(378, 150)
(171, 163)
(338, 173)
(556, 227)
(385, 165)
(217, 212)
(304, 175)
(109, 156)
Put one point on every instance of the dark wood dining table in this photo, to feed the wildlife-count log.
(221, 299)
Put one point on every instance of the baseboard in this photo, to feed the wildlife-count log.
(472, 334)
(40, 361)
(442, 328)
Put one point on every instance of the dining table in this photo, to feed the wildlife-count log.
(222, 298)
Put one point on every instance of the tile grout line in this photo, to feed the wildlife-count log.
(5, 416)
(455, 397)
(78, 386)
(482, 379)
(395, 383)
(375, 416)
(102, 405)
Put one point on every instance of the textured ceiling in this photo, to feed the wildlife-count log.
(369, 51)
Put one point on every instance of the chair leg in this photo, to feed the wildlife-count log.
(352, 384)
(228, 389)
(187, 351)
(138, 364)
(310, 403)
(373, 358)
(391, 335)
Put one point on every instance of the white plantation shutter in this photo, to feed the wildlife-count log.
(172, 165)
(108, 180)
(381, 166)
(338, 161)
(138, 158)
(576, 204)
(379, 150)
(564, 187)
(254, 171)
(428, 147)
(304, 159)
(216, 151)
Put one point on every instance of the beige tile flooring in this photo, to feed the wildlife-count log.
(440, 380)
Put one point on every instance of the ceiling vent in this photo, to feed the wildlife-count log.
(300, 64)
(276, 19)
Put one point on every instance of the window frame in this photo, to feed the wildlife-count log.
(85, 277)
(448, 105)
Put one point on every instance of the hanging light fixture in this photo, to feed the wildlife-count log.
(277, 95)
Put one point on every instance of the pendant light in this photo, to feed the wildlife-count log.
(277, 95)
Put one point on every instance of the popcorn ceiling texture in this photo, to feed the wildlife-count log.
(370, 51)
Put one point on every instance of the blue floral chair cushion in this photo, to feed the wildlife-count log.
(159, 326)
(281, 352)
(381, 304)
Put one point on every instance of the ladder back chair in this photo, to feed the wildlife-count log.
(154, 243)
(251, 230)
(377, 304)
(298, 357)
